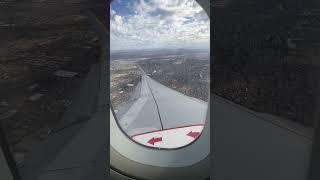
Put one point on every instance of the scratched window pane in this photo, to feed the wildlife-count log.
(159, 68)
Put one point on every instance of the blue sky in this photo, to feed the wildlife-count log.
(145, 24)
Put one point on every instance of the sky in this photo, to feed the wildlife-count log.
(158, 24)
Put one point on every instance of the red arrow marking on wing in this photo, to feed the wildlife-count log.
(193, 134)
(154, 140)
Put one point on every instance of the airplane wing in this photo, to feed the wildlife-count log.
(162, 117)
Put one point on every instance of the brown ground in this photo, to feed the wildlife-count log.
(190, 77)
(124, 78)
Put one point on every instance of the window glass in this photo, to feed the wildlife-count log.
(159, 68)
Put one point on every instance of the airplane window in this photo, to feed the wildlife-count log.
(159, 68)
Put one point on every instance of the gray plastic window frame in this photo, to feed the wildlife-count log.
(132, 159)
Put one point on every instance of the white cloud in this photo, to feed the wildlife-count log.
(160, 24)
(112, 12)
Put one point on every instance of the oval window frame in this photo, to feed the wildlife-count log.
(135, 160)
(114, 114)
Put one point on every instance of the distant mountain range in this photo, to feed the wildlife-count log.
(125, 54)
